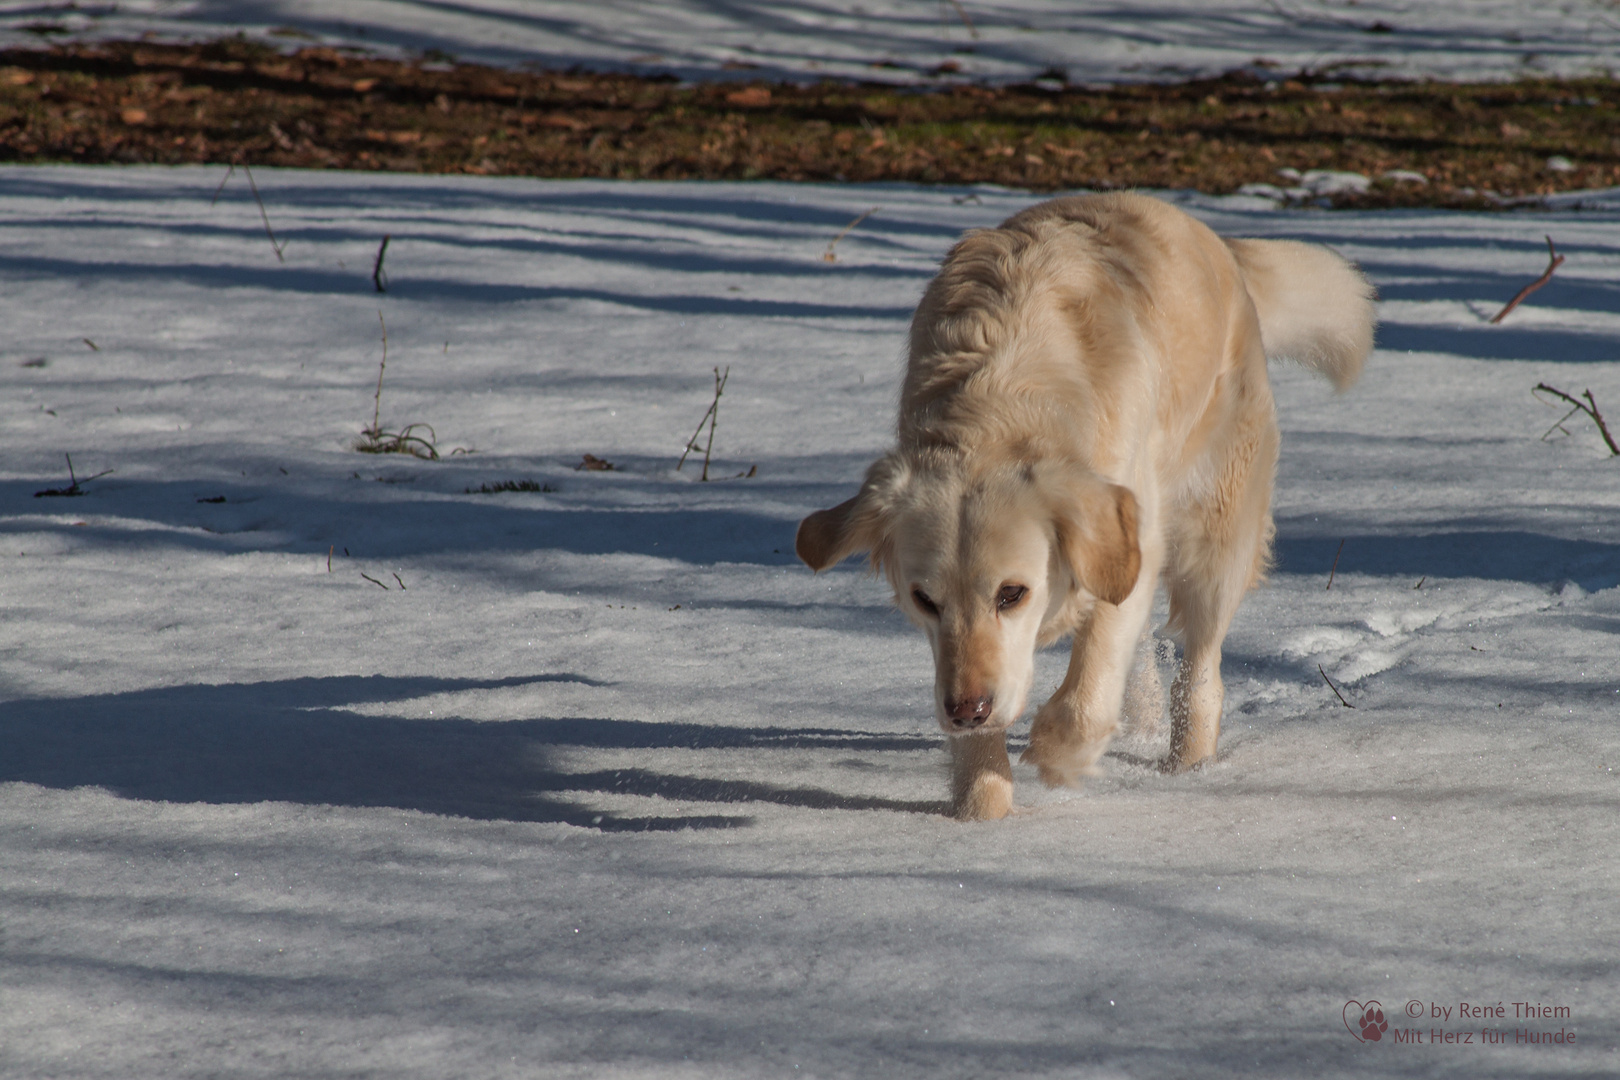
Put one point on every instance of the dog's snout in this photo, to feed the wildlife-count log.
(966, 713)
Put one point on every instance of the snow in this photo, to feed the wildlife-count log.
(614, 787)
(897, 41)
(604, 783)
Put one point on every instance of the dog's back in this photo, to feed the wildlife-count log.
(1105, 264)
(1078, 327)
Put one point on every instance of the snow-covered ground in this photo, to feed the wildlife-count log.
(601, 782)
(897, 40)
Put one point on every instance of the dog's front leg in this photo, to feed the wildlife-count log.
(981, 777)
(1072, 730)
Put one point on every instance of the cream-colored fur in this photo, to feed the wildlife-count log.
(1086, 413)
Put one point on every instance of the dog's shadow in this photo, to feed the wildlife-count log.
(296, 741)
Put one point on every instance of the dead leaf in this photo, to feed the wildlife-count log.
(560, 120)
(1064, 151)
(752, 97)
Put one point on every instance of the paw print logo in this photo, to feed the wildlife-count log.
(1365, 1020)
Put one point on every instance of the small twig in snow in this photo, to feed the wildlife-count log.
(962, 11)
(400, 580)
(90, 343)
(374, 581)
(711, 417)
(830, 255)
(382, 365)
(74, 483)
(374, 440)
(1335, 563)
(1558, 425)
(1554, 261)
(274, 244)
(380, 279)
(1335, 689)
(228, 174)
(1589, 407)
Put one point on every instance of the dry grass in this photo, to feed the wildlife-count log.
(510, 485)
(233, 101)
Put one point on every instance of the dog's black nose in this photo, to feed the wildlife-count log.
(967, 712)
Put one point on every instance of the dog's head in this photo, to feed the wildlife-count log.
(990, 563)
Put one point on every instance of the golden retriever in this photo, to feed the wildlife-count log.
(1086, 412)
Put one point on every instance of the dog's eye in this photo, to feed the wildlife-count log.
(1010, 596)
(924, 602)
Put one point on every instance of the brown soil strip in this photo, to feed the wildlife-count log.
(234, 101)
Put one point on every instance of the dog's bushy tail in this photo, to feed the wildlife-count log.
(1315, 307)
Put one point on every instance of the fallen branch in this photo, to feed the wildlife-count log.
(1335, 689)
(1554, 261)
(711, 417)
(829, 256)
(380, 279)
(1589, 407)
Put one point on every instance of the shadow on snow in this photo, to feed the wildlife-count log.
(1492, 554)
(294, 741)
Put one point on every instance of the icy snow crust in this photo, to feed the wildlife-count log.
(613, 787)
(899, 41)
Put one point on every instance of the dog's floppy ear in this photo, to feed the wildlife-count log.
(1096, 530)
(828, 537)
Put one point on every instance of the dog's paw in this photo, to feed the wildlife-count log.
(987, 798)
(1174, 764)
(1059, 750)
(1059, 765)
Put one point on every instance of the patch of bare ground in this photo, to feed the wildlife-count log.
(234, 101)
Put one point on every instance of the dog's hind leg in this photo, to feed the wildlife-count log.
(981, 777)
(1143, 714)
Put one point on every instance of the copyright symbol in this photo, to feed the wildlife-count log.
(1414, 1008)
